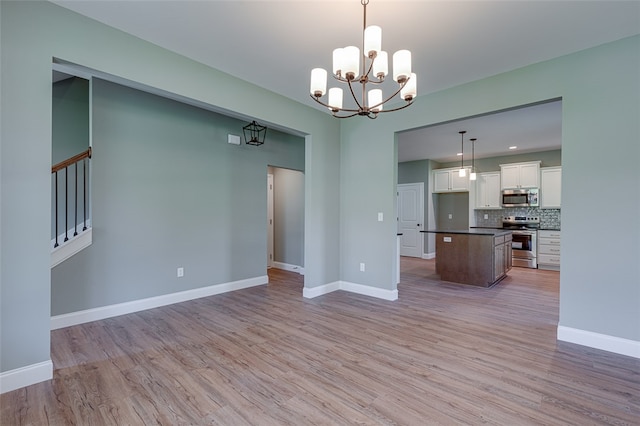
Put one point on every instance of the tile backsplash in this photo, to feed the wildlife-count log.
(549, 218)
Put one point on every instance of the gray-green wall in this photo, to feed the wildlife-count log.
(70, 123)
(31, 34)
(168, 191)
(599, 87)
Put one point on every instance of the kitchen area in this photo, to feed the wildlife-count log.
(492, 193)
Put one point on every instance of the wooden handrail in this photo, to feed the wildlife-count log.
(69, 161)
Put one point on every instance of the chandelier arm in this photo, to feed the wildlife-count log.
(344, 116)
(356, 111)
(398, 108)
(369, 80)
(366, 76)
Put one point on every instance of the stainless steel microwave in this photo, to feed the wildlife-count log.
(520, 197)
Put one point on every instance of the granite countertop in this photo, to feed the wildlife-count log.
(471, 231)
(549, 229)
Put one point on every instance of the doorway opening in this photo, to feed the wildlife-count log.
(285, 219)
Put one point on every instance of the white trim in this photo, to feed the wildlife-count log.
(428, 255)
(95, 314)
(379, 293)
(288, 267)
(310, 293)
(605, 342)
(366, 290)
(71, 247)
(26, 376)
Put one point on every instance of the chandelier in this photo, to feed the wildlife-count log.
(348, 68)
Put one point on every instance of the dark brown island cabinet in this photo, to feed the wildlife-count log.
(479, 257)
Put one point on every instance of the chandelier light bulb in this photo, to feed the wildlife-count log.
(410, 89)
(318, 82)
(381, 65)
(401, 65)
(351, 62)
(372, 40)
(375, 98)
(338, 61)
(335, 98)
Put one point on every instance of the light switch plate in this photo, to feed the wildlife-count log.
(446, 239)
(380, 216)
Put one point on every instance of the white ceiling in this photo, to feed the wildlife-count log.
(275, 44)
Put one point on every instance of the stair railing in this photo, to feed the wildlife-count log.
(55, 170)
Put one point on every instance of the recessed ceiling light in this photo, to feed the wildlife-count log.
(513, 147)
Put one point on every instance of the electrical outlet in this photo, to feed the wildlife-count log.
(180, 272)
(450, 216)
(361, 267)
(486, 216)
(380, 217)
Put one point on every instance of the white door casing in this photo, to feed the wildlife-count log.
(411, 218)
(270, 221)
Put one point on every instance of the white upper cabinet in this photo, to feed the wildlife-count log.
(448, 180)
(520, 175)
(488, 191)
(550, 187)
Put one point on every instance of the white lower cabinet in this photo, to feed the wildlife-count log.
(549, 250)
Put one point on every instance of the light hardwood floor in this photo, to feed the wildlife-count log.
(442, 354)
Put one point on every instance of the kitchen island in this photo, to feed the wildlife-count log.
(476, 256)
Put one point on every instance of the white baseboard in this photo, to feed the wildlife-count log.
(26, 376)
(605, 342)
(366, 290)
(310, 293)
(289, 267)
(428, 255)
(95, 314)
(67, 249)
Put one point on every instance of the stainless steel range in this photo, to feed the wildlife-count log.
(525, 239)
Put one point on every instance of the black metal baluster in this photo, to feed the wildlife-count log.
(84, 190)
(56, 212)
(75, 220)
(66, 203)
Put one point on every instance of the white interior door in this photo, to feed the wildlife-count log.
(269, 220)
(411, 218)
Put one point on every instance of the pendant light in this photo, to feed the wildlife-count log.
(462, 172)
(472, 175)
